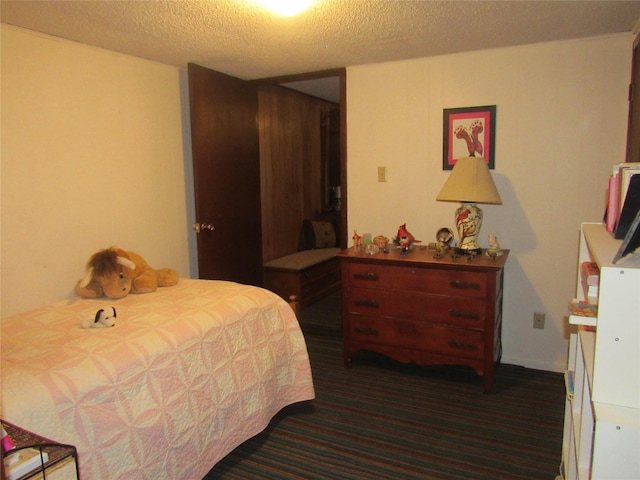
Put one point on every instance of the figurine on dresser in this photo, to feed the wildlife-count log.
(444, 237)
(494, 249)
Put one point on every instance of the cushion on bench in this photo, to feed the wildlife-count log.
(318, 234)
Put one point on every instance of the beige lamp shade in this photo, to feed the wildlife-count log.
(470, 181)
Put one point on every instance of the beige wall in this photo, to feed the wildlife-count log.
(95, 152)
(561, 125)
(92, 156)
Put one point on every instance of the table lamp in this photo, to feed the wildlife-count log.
(470, 182)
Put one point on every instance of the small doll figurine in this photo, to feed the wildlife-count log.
(405, 245)
(357, 240)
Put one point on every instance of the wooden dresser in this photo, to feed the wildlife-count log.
(416, 308)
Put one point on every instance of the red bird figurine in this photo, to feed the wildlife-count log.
(404, 233)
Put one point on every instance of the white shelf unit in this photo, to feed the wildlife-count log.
(602, 415)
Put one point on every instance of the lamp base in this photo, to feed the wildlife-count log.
(468, 223)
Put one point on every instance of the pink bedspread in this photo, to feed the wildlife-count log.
(187, 374)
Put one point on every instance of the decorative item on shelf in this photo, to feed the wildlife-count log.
(444, 237)
(470, 182)
(357, 240)
(494, 249)
(405, 245)
(381, 241)
(404, 239)
(371, 249)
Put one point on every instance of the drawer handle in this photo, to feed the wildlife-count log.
(366, 276)
(459, 284)
(460, 313)
(367, 303)
(367, 331)
(463, 345)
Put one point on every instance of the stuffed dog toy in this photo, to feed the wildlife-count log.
(115, 273)
(105, 317)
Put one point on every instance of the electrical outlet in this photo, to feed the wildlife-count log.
(382, 174)
(538, 320)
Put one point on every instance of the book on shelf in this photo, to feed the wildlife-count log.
(590, 278)
(627, 170)
(617, 190)
(590, 273)
(23, 461)
(568, 382)
(6, 442)
(613, 195)
(631, 241)
(583, 309)
(630, 207)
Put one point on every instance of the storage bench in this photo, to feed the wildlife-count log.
(309, 274)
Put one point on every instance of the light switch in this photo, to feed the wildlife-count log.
(382, 174)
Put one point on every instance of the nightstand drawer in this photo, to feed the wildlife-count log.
(418, 336)
(441, 281)
(420, 307)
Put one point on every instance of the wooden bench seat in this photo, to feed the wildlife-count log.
(309, 274)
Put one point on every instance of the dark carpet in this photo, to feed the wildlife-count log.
(384, 420)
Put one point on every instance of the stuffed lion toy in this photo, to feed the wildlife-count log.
(115, 273)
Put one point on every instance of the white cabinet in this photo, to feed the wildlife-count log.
(602, 414)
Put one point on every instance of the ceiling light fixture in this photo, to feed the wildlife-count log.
(286, 8)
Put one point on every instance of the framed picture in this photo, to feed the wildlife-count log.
(469, 132)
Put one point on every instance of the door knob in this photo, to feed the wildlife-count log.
(198, 227)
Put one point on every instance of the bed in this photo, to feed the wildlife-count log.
(188, 373)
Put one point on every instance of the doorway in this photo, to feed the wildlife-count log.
(329, 85)
(220, 138)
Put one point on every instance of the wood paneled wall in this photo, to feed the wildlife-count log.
(290, 163)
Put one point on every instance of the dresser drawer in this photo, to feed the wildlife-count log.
(427, 280)
(420, 307)
(417, 336)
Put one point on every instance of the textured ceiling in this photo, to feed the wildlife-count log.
(240, 38)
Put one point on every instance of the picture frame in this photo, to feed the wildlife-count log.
(469, 132)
